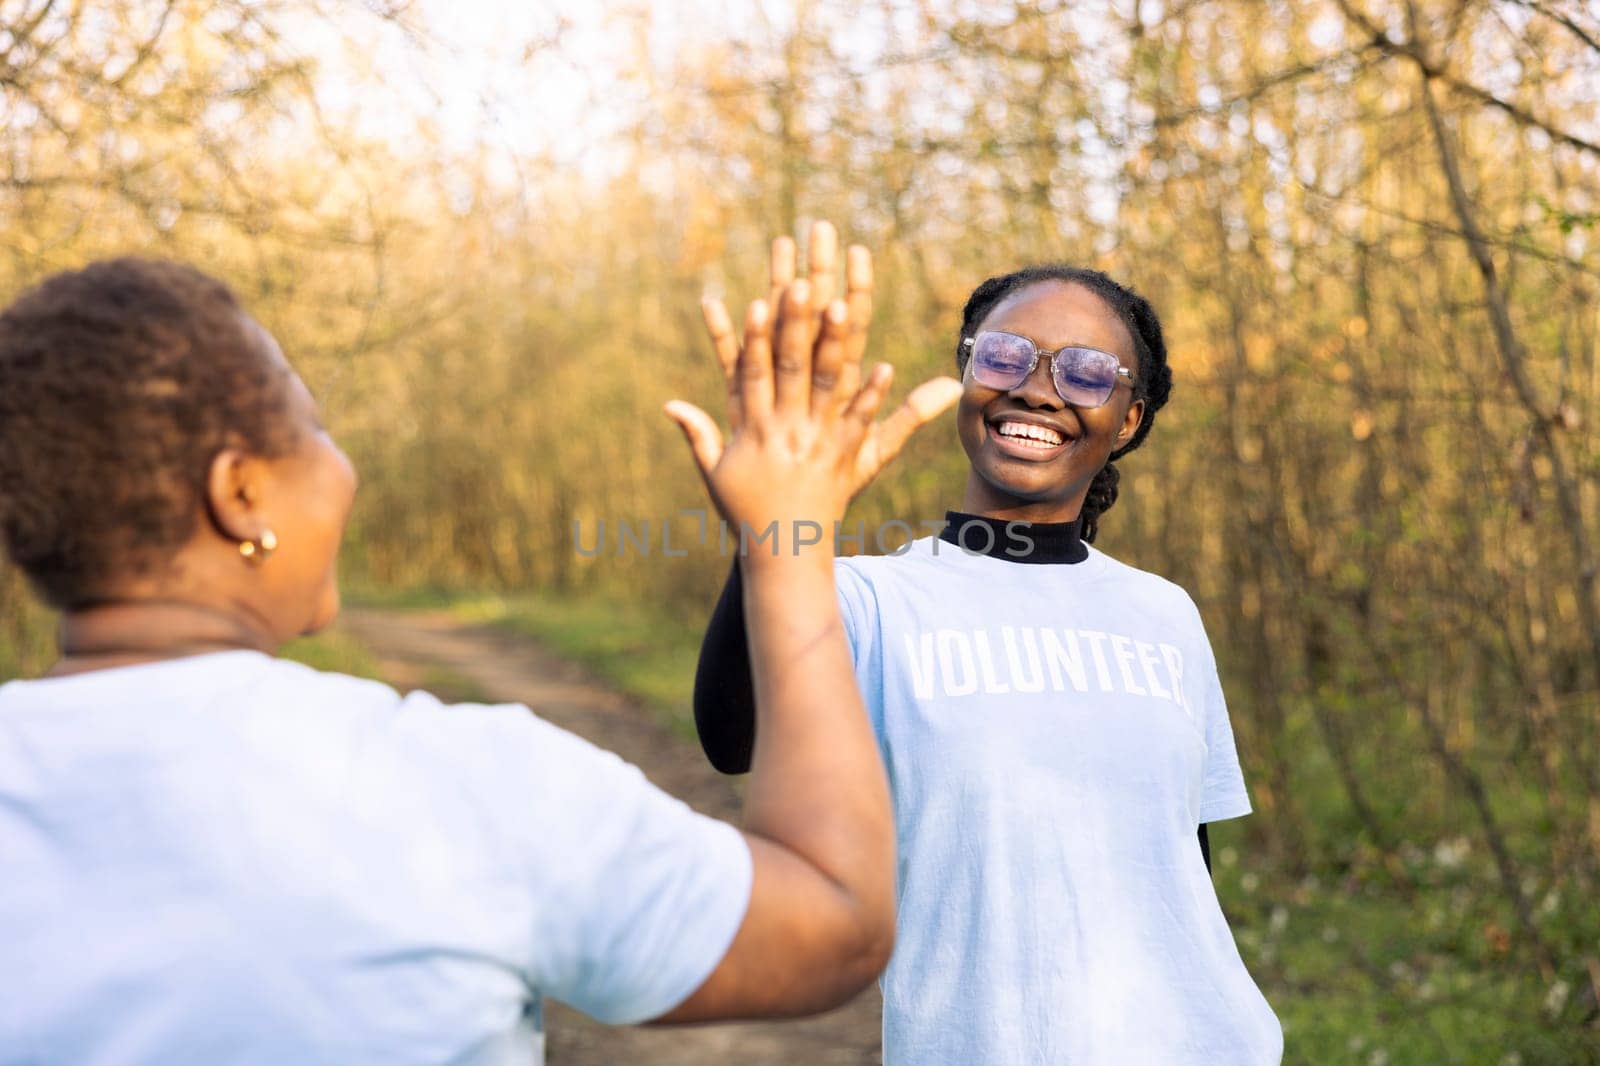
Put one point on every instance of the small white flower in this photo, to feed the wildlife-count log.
(1556, 998)
(1451, 853)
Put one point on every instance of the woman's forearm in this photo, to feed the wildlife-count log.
(815, 760)
(817, 817)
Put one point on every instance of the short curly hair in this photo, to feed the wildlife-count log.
(119, 383)
(1153, 383)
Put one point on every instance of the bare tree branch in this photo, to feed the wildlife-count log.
(1437, 72)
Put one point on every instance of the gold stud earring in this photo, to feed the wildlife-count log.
(260, 549)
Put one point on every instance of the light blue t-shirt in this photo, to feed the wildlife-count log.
(1053, 734)
(233, 859)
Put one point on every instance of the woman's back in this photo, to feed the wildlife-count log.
(234, 858)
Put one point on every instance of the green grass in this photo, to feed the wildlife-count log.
(1360, 969)
(451, 687)
(361, 594)
(339, 652)
(334, 651)
(27, 630)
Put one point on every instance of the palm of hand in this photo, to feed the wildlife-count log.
(803, 440)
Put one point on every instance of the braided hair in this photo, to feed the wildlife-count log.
(1152, 383)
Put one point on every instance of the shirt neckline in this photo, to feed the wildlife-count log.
(115, 673)
(1034, 543)
(940, 552)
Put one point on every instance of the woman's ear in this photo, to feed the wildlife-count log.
(1130, 423)
(234, 489)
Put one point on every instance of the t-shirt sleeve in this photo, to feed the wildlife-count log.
(1222, 790)
(633, 897)
(858, 607)
(855, 604)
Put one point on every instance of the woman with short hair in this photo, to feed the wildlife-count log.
(212, 854)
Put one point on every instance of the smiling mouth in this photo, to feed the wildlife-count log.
(1028, 436)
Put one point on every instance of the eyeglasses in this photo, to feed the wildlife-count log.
(1084, 377)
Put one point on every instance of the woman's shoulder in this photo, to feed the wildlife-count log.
(1150, 588)
(905, 560)
(280, 677)
(239, 678)
(285, 690)
(331, 691)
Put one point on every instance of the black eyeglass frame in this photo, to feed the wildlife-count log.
(1123, 374)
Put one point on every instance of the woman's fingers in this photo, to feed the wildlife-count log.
(781, 268)
(858, 295)
(700, 429)
(925, 403)
(827, 362)
(755, 364)
(720, 327)
(726, 344)
(792, 365)
(864, 406)
(822, 253)
(801, 352)
(858, 304)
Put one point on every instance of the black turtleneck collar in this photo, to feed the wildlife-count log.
(1016, 542)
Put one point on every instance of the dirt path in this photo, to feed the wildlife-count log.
(414, 647)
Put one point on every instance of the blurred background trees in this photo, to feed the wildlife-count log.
(1370, 225)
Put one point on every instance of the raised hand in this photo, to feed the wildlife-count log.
(820, 923)
(815, 376)
(795, 443)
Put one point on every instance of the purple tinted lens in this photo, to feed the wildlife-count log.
(1001, 360)
(1084, 376)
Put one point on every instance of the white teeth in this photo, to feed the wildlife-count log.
(1029, 431)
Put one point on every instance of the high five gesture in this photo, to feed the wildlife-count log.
(802, 440)
(796, 377)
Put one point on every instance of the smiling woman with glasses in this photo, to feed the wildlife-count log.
(1051, 719)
